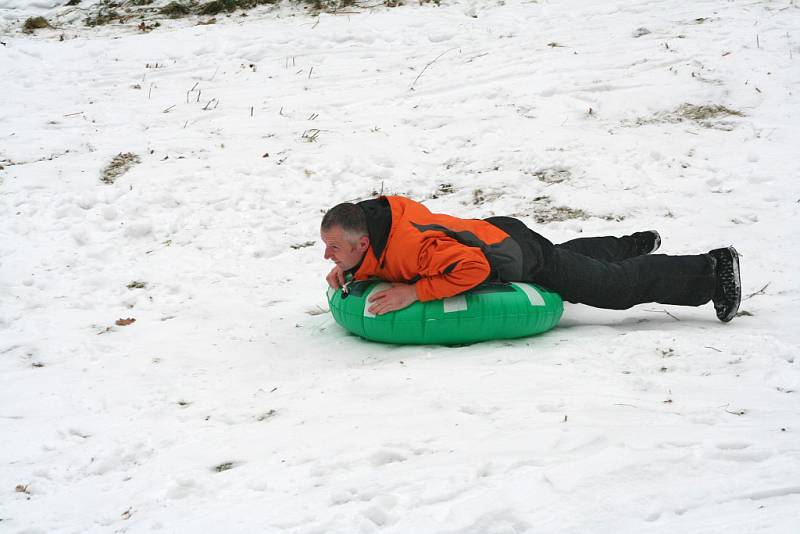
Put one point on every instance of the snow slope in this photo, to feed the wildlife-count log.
(234, 403)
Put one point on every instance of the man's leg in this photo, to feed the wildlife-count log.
(615, 248)
(681, 280)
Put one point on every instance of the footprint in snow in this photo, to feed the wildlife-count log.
(385, 457)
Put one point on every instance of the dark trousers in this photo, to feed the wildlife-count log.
(606, 272)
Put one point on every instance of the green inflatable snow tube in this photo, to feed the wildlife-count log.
(489, 311)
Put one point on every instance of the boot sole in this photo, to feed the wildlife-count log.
(657, 242)
(736, 275)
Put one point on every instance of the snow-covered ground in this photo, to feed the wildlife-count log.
(234, 403)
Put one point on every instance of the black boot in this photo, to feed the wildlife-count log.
(728, 291)
(647, 242)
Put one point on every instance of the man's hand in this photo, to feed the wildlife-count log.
(395, 298)
(335, 278)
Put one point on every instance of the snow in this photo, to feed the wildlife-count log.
(235, 403)
(18, 10)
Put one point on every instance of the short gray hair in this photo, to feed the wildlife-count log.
(350, 217)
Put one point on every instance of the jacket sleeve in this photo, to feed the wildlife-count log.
(448, 268)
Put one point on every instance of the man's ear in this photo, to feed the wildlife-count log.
(363, 243)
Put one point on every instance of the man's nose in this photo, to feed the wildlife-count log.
(327, 253)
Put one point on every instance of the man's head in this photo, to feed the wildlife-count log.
(344, 231)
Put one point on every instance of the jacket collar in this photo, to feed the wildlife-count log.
(379, 225)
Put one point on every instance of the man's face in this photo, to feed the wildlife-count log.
(341, 250)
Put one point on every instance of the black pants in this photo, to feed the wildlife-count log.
(606, 272)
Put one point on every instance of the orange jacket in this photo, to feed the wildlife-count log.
(441, 255)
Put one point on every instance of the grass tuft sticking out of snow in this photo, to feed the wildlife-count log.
(709, 116)
(35, 23)
(215, 7)
(120, 164)
(175, 10)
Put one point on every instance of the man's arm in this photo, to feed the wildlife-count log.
(448, 268)
(336, 277)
